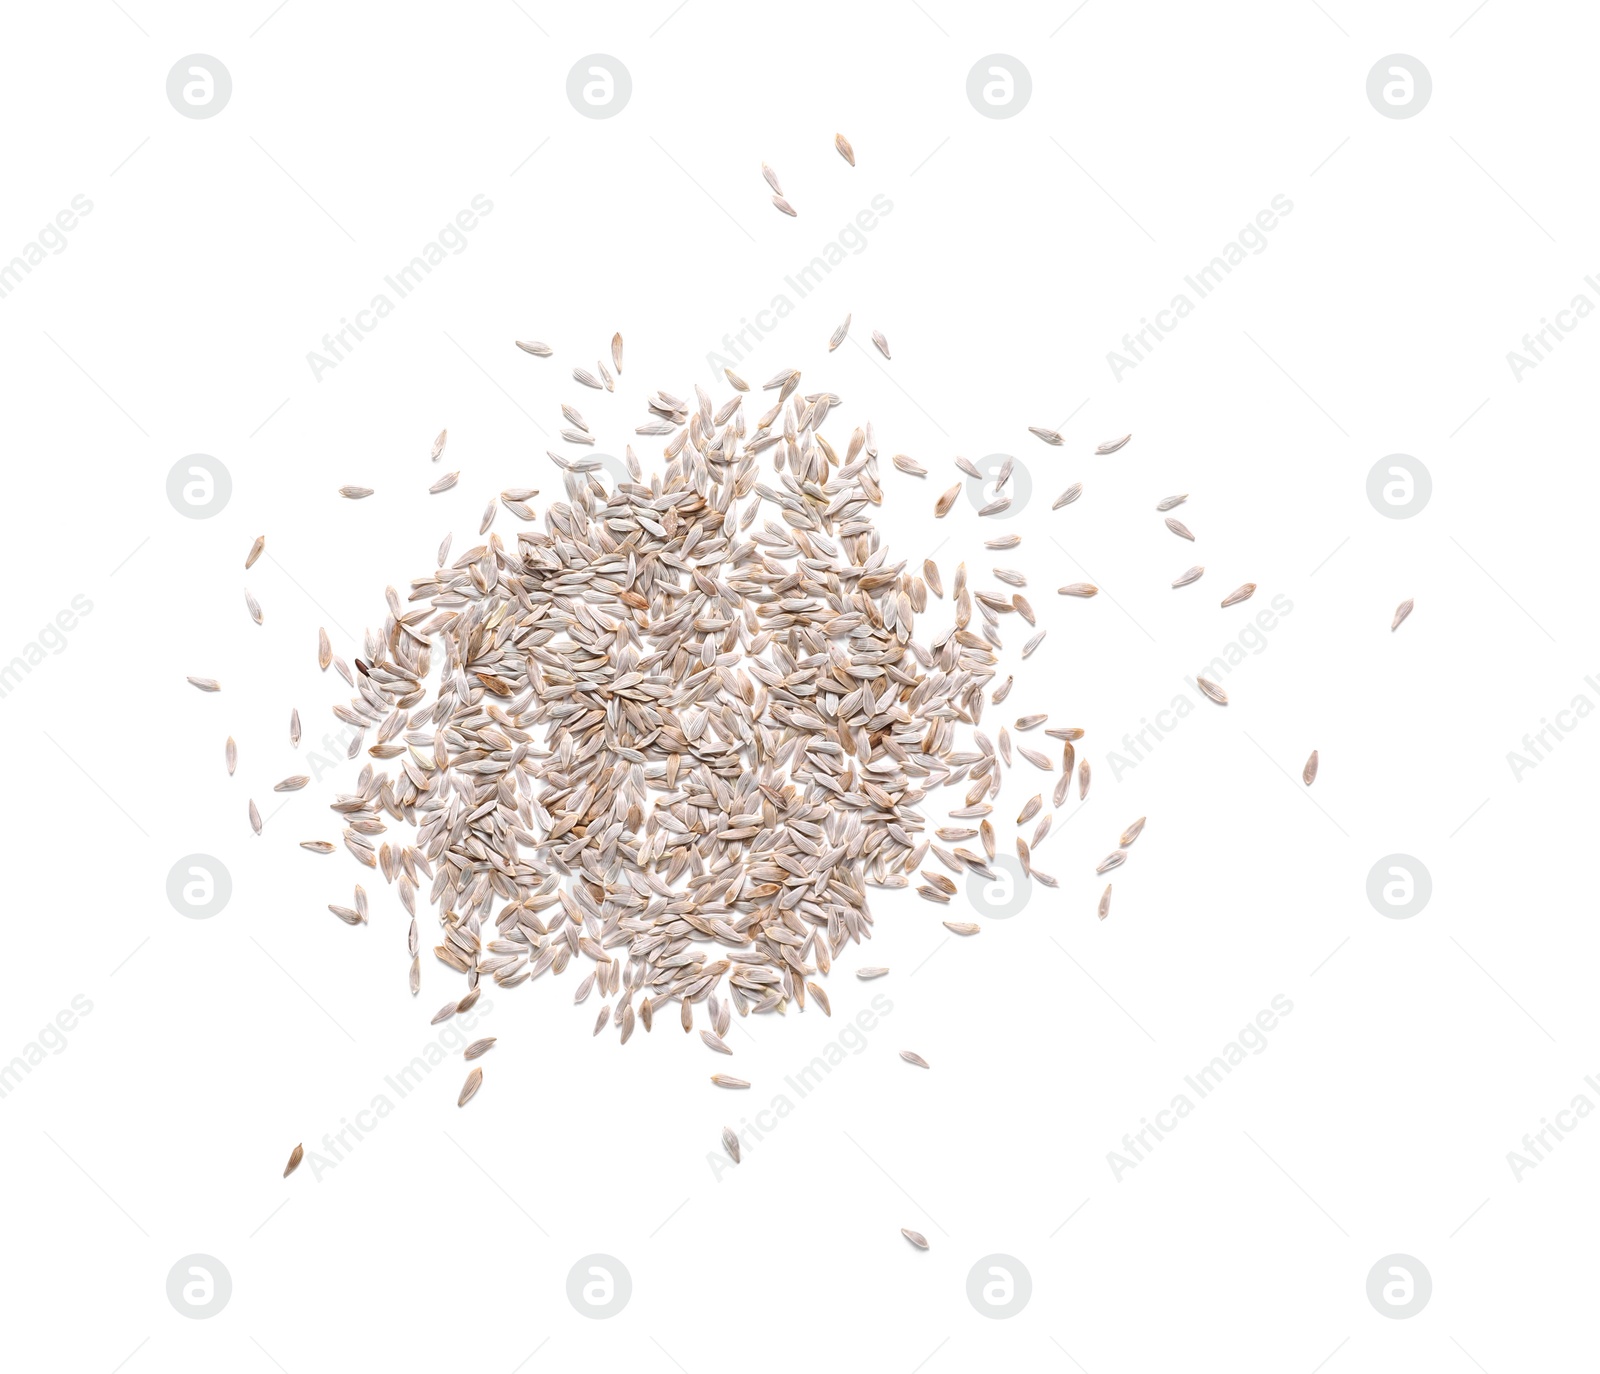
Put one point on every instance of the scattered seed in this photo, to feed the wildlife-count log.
(1180, 529)
(725, 1080)
(1171, 502)
(838, 335)
(1132, 833)
(1105, 902)
(962, 927)
(1239, 594)
(1212, 690)
(255, 551)
(911, 1057)
(232, 753)
(538, 350)
(730, 1143)
(845, 150)
(295, 1156)
(355, 493)
(1050, 436)
(206, 684)
(1079, 589)
(470, 1088)
(444, 483)
(1400, 613)
(438, 445)
(479, 1048)
(872, 972)
(1112, 445)
(1067, 497)
(784, 205)
(941, 507)
(1192, 575)
(1309, 772)
(882, 343)
(915, 1237)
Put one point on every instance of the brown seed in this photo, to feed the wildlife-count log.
(478, 1047)
(295, 1156)
(1212, 690)
(915, 1237)
(470, 1087)
(324, 650)
(845, 150)
(1239, 594)
(1079, 589)
(616, 352)
(912, 1057)
(1400, 613)
(317, 846)
(941, 507)
(1309, 772)
(255, 551)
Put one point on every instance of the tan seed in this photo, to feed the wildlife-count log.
(295, 1156)
(1309, 772)
(470, 1087)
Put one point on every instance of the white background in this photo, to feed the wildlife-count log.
(1017, 253)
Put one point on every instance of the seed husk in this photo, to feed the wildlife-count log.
(871, 972)
(1132, 833)
(295, 1156)
(470, 1088)
(784, 205)
(1180, 529)
(1083, 779)
(881, 342)
(908, 464)
(1400, 613)
(291, 784)
(1308, 774)
(1084, 589)
(232, 753)
(324, 650)
(479, 1047)
(772, 178)
(845, 150)
(438, 445)
(727, 1080)
(915, 1237)
(539, 350)
(730, 1143)
(1212, 690)
(941, 507)
(838, 335)
(255, 818)
(1191, 575)
(616, 352)
(317, 846)
(444, 483)
(1115, 859)
(912, 1057)
(1067, 497)
(1238, 594)
(715, 1042)
(255, 551)
(1050, 436)
(1171, 502)
(962, 927)
(1112, 445)
(206, 684)
(355, 493)
(1105, 902)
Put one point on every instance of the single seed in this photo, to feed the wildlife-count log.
(1192, 575)
(911, 1057)
(539, 350)
(725, 1080)
(881, 342)
(1067, 497)
(845, 150)
(1132, 833)
(1309, 772)
(1400, 613)
(915, 1237)
(1112, 445)
(1239, 594)
(1180, 529)
(478, 1048)
(1212, 690)
(295, 1156)
(255, 551)
(730, 1143)
(470, 1088)
(1084, 589)
(1105, 902)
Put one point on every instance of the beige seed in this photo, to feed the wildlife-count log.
(444, 1013)
(324, 650)
(355, 493)
(539, 350)
(1212, 690)
(1067, 497)
(444, 483)
(291, 784)
(1132, 833)
(772, 178)
(295, 1156)
(616, 352)
(845, 150)
(1083, 779)
(724, 1080)
(784, 205)
(470, 1088)
(1084, 589)
(736, 382)
(838, 335)
(1239, 594)
(1050, 436)
(930, 574)
(255, 818)
(416, 975)
(1171, 502)
(1113, 860)
(1309, 773)
(915, 1237)
(317, 846)
(730, 1143)
(479, 1048)
(715, 1042)
(873, 972)
(1400, 613)
(294, 728)
(962, 927)
(255, 551)
(911, 1057)
(1180, 529)
(940, 510)
(438, 445)
(1112, 445)
(1105, 902)
(232, 753)
(206, 684)
(1192, 575)
(881, 342)
(908, 464)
